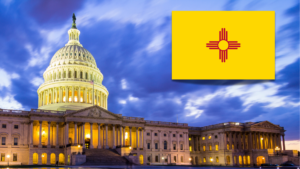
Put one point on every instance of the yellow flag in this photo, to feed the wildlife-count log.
(223, 45)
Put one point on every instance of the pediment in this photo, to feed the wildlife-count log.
(266, 124)
(94, 112)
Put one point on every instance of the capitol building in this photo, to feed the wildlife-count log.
(73, 126)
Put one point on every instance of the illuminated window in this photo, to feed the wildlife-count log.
(210, 147)
(2, 157)
(217, 147)
(217, 159)
(190, 139)
(190, 148)
(209, 137)
(240, 159)
(248, 160)
(175, 159)
(203, 148)
(15, 157)
(210, 159)
(204, 159)
(203, 138)
(181, 159)
(227, 146)
(232, 146)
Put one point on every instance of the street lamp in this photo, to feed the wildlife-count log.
(277, 149)
(163, 160)
(8, 159)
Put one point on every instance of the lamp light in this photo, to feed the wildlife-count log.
(78, 146)
(130, 147)
(190, 158)
(87, 136)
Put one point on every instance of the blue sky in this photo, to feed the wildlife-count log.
(131, 42)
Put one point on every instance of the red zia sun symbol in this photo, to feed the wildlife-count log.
(223, 45)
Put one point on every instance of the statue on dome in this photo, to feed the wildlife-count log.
(74, 20)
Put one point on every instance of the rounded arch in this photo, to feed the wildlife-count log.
(260, 160)
(44, 158)
(61, 158)
(52, 158)
(141, 158)
(35, 158)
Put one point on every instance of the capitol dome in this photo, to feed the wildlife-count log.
(71, 77)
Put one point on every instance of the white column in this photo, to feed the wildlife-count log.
(60, 94)
(99, 138)
(114, 140)
(67, 94)
(57, 145)
(72, 94)
(170, 140)
(79, 100)
(75, 134)
(85, 95)
(91, 140)
(106, 133)
(31, 133)
(83, 135)
(159, 140)
(52, 96)
(178, 147)
(130, 130)
(40, 135)
(101, 104)
(49, 125)
(124, 136)
(67, 133)
(137, 138)
(141, 138)
(121, 136)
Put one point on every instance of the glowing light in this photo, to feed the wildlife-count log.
(64, 99)
(43, 155)
(263, 158)
(237, 124)
(130, 147)
(70, 99)
(262, 138)
(78, 146)
(75, 99)
(126, 135)
(81, 100)
(190, 159)
(8, 156)
(211, 160)
(87, 136)
(162, 158)
(190, 139)
(43, 132)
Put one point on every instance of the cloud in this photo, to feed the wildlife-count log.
(8, 102)
(292, 145)
(124, 84)
(6, 78)
(37, 81)
(156, 44)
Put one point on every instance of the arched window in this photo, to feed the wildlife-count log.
(75, 74)
(165, 145)
(217, 159)
(86, 75)
(44, 158)
(217, 147)
(204, 148)
(210, 147)
(80, 75)
(35, 158)
(69, 76)
(61, 158)
(210, 159)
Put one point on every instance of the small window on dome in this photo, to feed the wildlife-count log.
(83, 55)
(62, 54)
(74, 54)
(79, 54)
(66, 54)
(70, 54)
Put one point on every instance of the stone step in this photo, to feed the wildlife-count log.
(103, 157)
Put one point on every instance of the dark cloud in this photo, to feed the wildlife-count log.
(120, 50)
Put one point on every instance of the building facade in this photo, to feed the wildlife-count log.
(72, 117)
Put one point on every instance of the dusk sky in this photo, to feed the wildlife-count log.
(131, 42)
